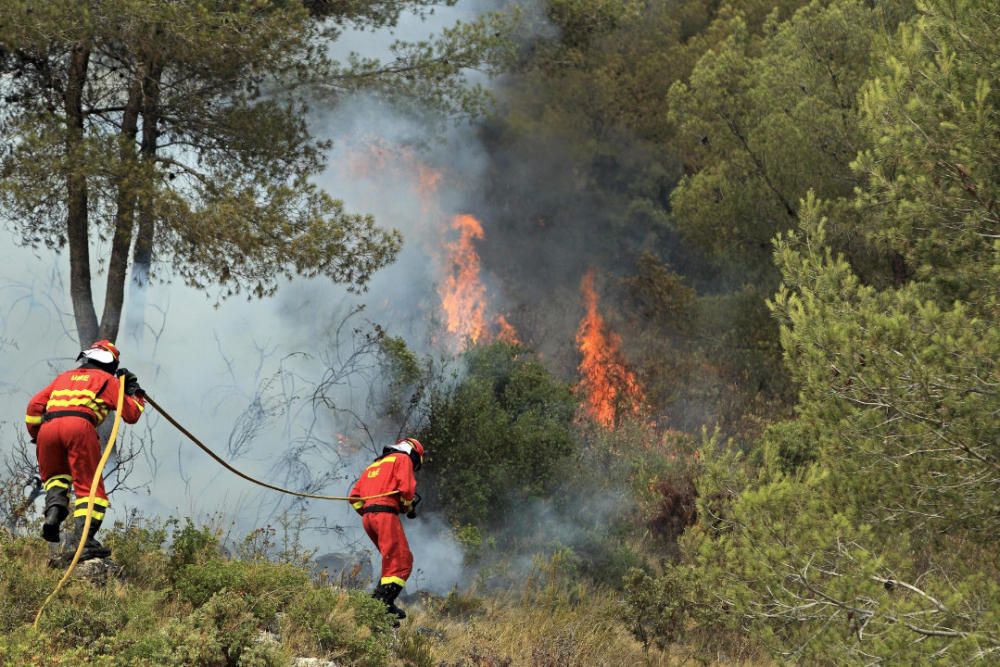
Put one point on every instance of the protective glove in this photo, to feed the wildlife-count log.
(411, 512)
(132, 387)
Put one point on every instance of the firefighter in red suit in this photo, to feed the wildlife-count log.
(62, 420)
(392, 471)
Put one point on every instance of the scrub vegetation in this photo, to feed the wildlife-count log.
(791, 210)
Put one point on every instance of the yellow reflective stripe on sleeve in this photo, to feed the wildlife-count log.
(392, 580)
(97, 514)
(31, 419)
(138, 405)
(97, 501)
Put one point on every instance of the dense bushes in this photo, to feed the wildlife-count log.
(497, 436)
(553, 616)
(182, 605)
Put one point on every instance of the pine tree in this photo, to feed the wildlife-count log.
(177, 131)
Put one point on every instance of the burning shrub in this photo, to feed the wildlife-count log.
(675, 505)
(665, 472)
(610, 389)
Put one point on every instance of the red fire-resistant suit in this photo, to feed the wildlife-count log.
(380, 516)
(63, 420)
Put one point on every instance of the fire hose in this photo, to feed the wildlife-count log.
(253, 480)
(107, 453)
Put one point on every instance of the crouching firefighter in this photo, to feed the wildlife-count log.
(62, 420)
(392, 471)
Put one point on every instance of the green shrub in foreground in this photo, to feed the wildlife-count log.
(339, 624)
(270, 585)
(222, 632)
(24, 582)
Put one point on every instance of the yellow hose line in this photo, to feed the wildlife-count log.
(90, 504)
(245, 476)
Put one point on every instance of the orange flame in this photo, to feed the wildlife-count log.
(610, 389)
(463, 296)
(468, 318)
(507, 333)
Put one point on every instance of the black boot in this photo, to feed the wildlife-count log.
(391, 592)
(91, 548)
(56, 511)
(386, 594)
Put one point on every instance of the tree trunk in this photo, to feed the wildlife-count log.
(900, 272)
(142, 257)
(124, 211)
(143, 254)
(76, 199)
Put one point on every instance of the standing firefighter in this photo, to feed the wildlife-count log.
(392, 471)
(62, 420)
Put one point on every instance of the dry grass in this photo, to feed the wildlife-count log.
(547, 625)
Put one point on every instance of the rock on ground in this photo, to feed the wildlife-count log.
(98, 571)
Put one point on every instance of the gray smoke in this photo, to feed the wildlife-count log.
(242, 374)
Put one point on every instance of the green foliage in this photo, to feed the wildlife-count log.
(193, 545)
(657, 607)
(932, 113)
(222, 632)
(498, 434)
(138, 549)
(764, 120)
(213, 616)
(178, 130)
(271, 585)
(471, 539)
(22, 588)
(330, 622)
(790, 446)
(406, 378)
(866, 528)
(109, 612)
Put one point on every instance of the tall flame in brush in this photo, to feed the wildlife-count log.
(609, 388)
(463, 296)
